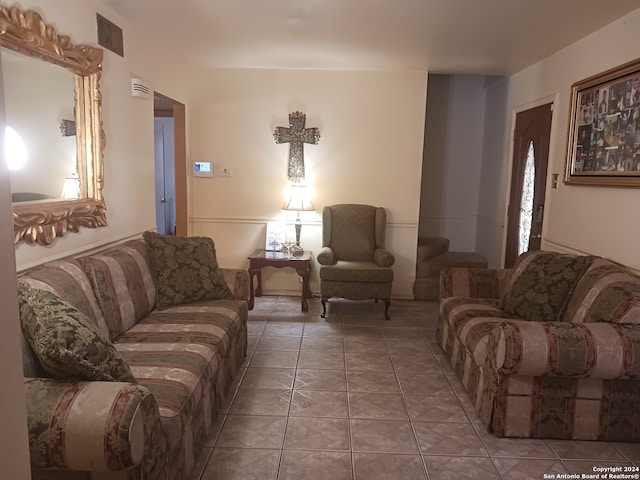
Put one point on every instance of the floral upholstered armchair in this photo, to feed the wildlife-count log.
(354, 263)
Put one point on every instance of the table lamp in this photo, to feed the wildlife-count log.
(298, 201)
(71, 187)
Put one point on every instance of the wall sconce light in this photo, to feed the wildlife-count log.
(298, 201)
(71, 187)
(15, 150)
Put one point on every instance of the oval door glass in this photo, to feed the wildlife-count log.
(526, 203)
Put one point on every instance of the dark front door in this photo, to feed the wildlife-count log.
(528, 181)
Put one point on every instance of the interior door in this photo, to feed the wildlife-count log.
(528, 181)
(171, 178)
(165, 176)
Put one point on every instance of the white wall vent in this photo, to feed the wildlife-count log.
(140, 88)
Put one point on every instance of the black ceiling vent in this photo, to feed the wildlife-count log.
(110, 35)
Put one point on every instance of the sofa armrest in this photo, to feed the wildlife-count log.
(559, 349)
(93, 426)
(383, 258)
(473, 282)
(326, 256)
(238, 281)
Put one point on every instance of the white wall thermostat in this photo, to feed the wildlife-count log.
(203, 169)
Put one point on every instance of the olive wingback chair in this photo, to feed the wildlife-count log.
(353, 261)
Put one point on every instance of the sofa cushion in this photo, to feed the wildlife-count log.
(179, 375)
(185, 269)
(67, 280)
(182, 355)
(542, 284)
(207, 322)
(65, 341)
(123, 282)
(188, 355)
(345, 271)
(605, 293)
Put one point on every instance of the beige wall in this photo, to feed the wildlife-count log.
(14, 449)
(370, 151)
(384, 150)
(371, 124)
(128, 125)
(601, 221)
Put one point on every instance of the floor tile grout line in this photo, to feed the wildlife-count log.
(204, 464)
(288, 416)
(346, 386)
(417, 440)
(636, 463)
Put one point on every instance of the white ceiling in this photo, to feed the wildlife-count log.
(441, 36)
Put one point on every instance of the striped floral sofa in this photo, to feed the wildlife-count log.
(549, 348)
(183, 360)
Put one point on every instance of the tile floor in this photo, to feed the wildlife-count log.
(355, 397)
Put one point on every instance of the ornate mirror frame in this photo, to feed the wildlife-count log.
(42, 222)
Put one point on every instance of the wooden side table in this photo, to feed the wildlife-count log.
(302, 264)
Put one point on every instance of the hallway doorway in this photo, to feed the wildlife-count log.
(170, 165)
(528, 181)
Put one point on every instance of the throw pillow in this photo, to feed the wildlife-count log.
(65, 340)
(185, 269)
(544, 285)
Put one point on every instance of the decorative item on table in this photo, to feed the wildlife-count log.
(298, 201)
(275, 236)
(289, 249)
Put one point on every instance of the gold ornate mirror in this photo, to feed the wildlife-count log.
(43, 221)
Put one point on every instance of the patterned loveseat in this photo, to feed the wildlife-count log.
(148, 413)
(549, 348)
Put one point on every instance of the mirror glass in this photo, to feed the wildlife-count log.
(54, 109)
(38, 97)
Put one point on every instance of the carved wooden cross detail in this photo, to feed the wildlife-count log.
(296, 136)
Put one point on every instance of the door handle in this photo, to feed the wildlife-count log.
(163, 200)
(539, 213)
(536, 236)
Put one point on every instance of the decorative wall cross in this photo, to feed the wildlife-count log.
(296, 136)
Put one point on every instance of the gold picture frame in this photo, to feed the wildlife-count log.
(603, 144)
(25, 32)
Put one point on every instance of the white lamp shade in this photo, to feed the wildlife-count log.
(298, 199)
(71, 188)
